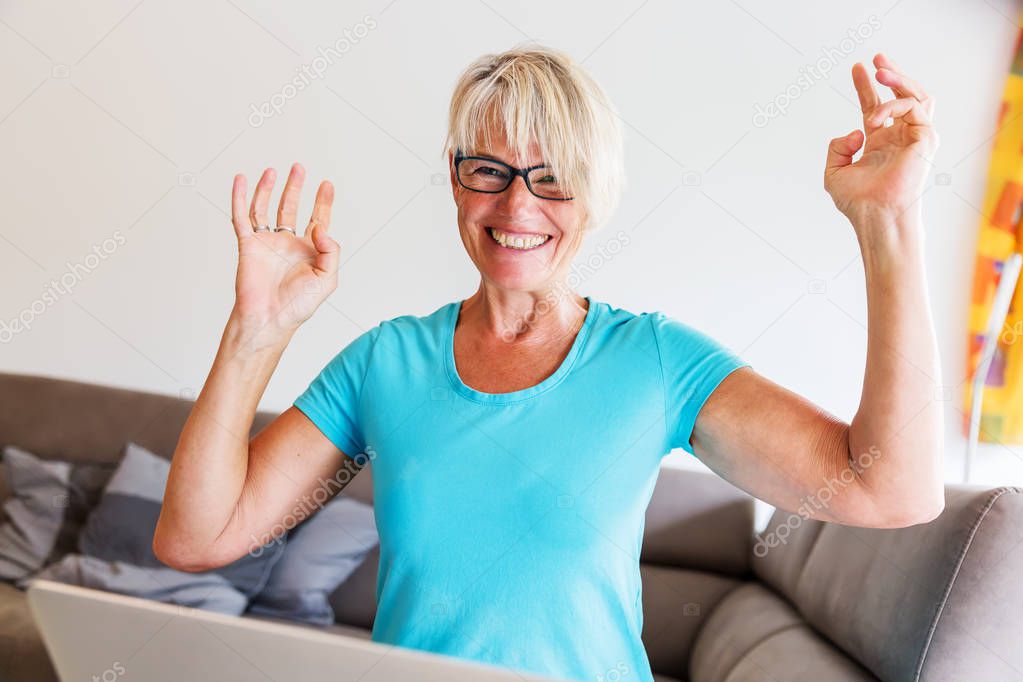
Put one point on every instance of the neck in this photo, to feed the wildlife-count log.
(524, 317)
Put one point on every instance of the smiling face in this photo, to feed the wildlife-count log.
(518, 241)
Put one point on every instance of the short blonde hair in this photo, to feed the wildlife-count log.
(535, 94)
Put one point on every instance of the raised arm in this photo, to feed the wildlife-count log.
(885, 469)
(225, 495)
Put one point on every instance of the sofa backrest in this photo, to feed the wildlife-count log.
(82, 422)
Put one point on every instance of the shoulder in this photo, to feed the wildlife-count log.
(671, 339)
(403, 338)
(410, 326)
(620, 319)
(650, 324)
(624, 333)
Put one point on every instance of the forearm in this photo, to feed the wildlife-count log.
(210, 463)
(899, 419)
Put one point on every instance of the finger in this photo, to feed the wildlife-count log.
(900, 85)
(909, 109)
(242, 228)
(261, 198)
(842, 149)
(869, 98)
(328, 252)
(895, 78)
(287, 210)
(882, 59)
(321, 208)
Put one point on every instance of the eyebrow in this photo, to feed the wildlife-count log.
(494, 158)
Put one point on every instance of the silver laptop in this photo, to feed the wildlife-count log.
(97, 635)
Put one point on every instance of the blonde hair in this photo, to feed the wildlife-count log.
(535, 94)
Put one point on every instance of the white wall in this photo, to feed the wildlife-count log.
(122, 123)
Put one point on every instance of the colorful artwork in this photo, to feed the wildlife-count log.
(1000, 236)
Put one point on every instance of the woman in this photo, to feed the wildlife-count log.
(516, 435)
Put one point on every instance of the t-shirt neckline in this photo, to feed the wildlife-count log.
(550, 382)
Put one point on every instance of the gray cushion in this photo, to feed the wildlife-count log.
(44, 514)
(676, 604)
(753, 634)
(121, 527)
(206, 590)
(320, 553)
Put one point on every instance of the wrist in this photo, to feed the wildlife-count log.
(889, 241)
(255, 334)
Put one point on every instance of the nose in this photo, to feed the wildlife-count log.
(516, 197)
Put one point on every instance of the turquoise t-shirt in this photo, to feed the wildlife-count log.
(511, 523)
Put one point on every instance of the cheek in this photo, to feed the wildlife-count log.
(568, 219)
(473, 207)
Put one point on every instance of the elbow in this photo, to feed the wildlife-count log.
(918, 514)
(931, 512)
(173, 555)
(868, 511)
(928, 504)
(899, 506)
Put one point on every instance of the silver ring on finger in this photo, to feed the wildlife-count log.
(262, 228)
(281, 228)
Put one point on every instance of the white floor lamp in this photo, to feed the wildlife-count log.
(999, 310)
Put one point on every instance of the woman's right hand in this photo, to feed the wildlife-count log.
(282, 278)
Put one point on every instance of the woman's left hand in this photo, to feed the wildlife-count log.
(883, 186)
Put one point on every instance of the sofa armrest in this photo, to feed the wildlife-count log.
(977, 628)
(939, 601)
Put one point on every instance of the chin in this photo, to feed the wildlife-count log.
(516, 279)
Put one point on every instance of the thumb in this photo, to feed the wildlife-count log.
(327, 250)
(841, 150)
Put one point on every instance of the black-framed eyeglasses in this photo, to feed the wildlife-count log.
(484, 174)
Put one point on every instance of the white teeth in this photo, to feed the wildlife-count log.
(514, 242)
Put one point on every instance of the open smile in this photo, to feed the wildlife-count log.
(518, 242)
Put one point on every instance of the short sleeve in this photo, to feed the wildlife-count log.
(692, 366)
(332, 401)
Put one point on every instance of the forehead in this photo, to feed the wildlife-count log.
(499, 148)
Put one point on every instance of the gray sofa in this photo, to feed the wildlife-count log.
(802, 600)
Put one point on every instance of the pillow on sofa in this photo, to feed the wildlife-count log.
(206, 590)
(320, 553)
(48, 504)
(120, 529)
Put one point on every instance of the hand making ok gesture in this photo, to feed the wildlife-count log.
(883, 185)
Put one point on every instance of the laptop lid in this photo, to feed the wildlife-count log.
(98, 635)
